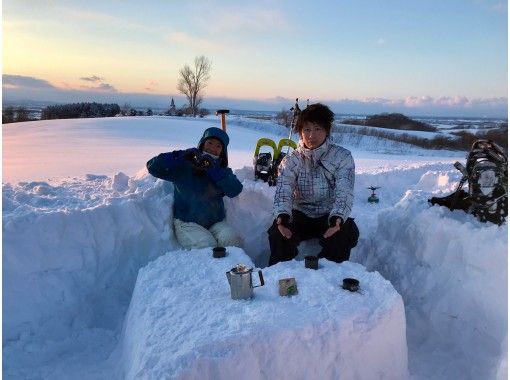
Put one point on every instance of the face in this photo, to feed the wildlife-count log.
(313, 135)
(213, 147)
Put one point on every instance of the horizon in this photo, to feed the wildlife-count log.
(439, 59)
(27, 103)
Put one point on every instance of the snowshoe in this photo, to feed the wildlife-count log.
(486, 172)
(262, 162)
(279, 156)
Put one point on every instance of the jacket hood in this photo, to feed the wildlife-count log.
(220, 135)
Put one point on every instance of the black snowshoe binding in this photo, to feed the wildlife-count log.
(486, 172)
(266, 168)
(266, 164)
(263, 162)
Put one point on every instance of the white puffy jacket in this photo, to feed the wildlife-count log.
(316, 182)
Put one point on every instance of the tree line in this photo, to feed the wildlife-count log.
(15, 115)
(79, 110)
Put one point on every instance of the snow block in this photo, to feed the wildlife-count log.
(182, 323)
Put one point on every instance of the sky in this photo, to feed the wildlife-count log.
(433, 57)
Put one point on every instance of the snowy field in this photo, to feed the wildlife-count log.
(85, 231)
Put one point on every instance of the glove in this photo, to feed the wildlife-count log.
(284, 220)
(214, 171)
(171, 159)
(333, 219)
(191, 154)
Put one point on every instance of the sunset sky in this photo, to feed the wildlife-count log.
(426, 56)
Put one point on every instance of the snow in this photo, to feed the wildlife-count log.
(89, 260)
(211, 336)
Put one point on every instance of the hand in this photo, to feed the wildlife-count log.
(172, 159)
(215, 172)
(191, 154)
(282, 227)
(333, 229)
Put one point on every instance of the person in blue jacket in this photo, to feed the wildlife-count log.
(201, 179)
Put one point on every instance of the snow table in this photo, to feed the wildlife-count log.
(182, 323)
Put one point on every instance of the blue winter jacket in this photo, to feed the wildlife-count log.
(197, 198)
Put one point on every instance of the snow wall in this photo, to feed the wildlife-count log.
(451, 271)
(71, 254)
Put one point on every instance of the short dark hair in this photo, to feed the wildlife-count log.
(316, 113)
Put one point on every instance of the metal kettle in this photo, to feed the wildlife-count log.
(240, 281)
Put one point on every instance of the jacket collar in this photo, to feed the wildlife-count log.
(317, 153)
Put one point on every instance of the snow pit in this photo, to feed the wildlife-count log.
(182, 323)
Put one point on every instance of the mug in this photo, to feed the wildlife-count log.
(311, 262)
(219, 252)
(350, 284)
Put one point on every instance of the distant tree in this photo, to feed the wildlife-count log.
(125, 109)
(397, 121)
(80, 110)
(284, 118)
(149, 112)
(193, 81)
(8, 115)
(203, 112)
(22, 114)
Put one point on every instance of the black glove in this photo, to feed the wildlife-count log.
(284, 220)
(192, 154)
(333, 219)
(204, 163)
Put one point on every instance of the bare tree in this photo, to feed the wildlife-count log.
(192, 82)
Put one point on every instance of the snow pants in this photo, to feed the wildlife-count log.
(335, 248)
(192, 235)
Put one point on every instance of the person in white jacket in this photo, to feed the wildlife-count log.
(314, 193)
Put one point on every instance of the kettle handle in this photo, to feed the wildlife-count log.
(261, 278)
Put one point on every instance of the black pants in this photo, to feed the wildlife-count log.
(335, 248)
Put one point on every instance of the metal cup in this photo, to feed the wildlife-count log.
(311, 262)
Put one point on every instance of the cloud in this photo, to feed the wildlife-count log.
(380, 41)
(280, 99)
(106, 87)
(93, 78)
(24, 82)
(424, 105)
(17, 87)
(415, 105)
(100, 85)
(151, 87)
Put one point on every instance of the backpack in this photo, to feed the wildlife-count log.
(486, 173)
